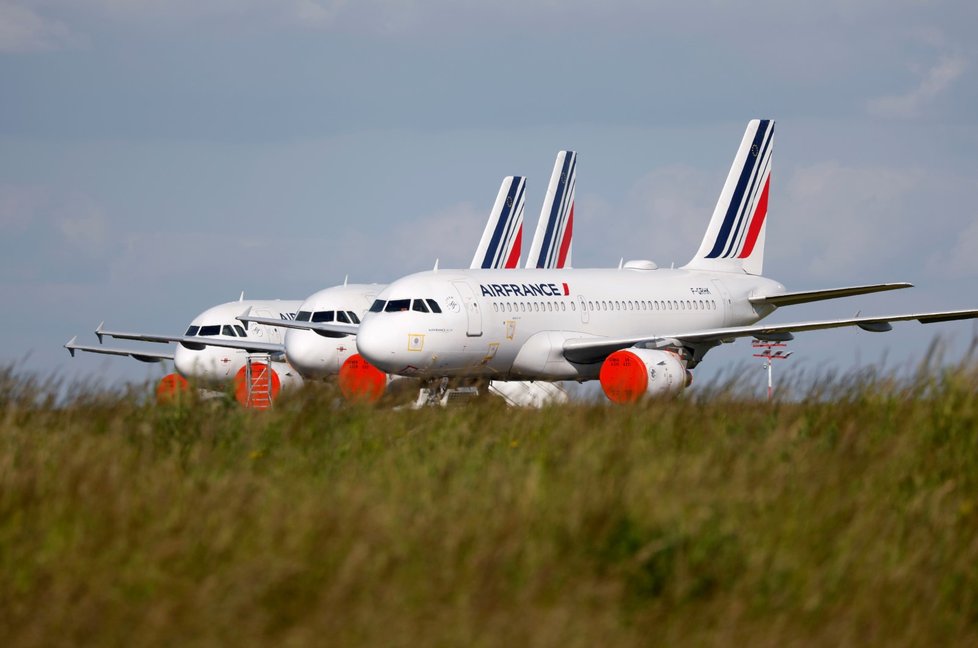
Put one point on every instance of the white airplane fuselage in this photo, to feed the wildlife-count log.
(316, 355)
(512, 323)
(215, 365)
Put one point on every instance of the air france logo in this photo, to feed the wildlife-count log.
(525, 290)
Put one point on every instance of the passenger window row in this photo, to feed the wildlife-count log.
(653, 305)
(606, 305)
(524, 307)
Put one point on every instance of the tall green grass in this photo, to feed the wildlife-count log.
(848, 517)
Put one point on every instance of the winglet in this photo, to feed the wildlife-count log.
(98, 331)
(70, 345)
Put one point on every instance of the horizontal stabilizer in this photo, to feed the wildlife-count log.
(142, 356)
(806, 296)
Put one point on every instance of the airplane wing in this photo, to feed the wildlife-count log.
(588, 350)
(326, 329)
(806, 296)
(142, 356)
(245, 344)
(196, 342)
(141, 337)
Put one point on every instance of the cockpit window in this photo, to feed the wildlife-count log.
(323, 316)
(435, 308)
(353, 317)
(303, 316)
(228, 330)
(240, 330)
(342, 317)
(377, 306)
(398, 305)
(192, 331)
(419, 305)
(210, 330)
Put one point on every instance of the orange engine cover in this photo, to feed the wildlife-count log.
(263, 388)
(171, 387)
(630, 374)
(360, 381)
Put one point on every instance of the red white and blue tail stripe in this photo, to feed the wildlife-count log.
(502, 239)
(551, 246)
(734, 239)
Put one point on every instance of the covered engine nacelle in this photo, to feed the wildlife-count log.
(628, 375)
(171, 388)
(260, 386)
(360, 381)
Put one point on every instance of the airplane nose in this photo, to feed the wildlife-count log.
(375, 343)
(184, 360)
(312, 355)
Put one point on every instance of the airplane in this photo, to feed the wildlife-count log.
(216, 347)
(317, 353)
(321, 351)
(638, 329)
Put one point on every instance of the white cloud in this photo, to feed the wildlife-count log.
(835, 221)
(24, 30)
(935, 82)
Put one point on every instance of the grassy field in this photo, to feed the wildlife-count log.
(846, 518)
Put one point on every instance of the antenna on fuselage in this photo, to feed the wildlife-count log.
(241, 298)
(346, 279)
(435, 269)
(621, 263)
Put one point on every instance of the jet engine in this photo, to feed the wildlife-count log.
(628, 375)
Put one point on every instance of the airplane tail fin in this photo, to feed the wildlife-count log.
(734, 240)
(551, 246)
(502, 239)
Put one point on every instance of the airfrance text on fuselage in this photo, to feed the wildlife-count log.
(524, 290)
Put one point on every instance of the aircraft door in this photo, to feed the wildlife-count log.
(472, 311)
(585, 316)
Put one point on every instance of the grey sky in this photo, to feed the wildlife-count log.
(159, 157)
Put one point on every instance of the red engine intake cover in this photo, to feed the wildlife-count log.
(360, 381)
(170, 388)
(624, 377)
(265, 386)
